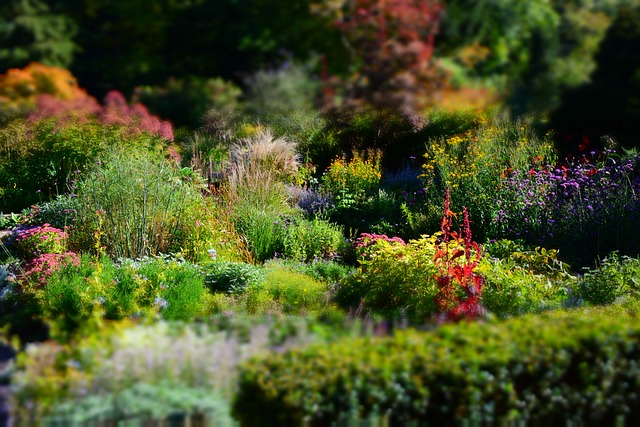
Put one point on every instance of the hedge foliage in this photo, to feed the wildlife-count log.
(579, 365)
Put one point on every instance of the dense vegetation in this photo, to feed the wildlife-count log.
(402, 226)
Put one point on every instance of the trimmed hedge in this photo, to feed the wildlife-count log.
(581, 365)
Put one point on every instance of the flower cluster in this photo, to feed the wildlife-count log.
(36, 241)
(115, 112)
(353, 179)
(549, 204)
(39, 269)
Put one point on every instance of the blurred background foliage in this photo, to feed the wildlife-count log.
(183, 58)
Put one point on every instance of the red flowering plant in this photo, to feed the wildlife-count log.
(457, 256)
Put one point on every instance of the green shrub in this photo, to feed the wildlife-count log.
(137, 204)
(328, 271)
(60, 212)
(394, 280)
(352, 181)
(306, 240)
(527, 369)
(175, 287)
(510, 289)
(40, 159)
(295, 291)
(263, 230)
(144, 402)
(615, 277)
(233, 277)
(77, 295)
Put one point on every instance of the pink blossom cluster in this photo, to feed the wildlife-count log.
(43, 239)
(135, 118)
(367, 239)
(39, 269)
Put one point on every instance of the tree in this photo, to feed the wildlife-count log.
(534, 48)
(30, 31)
(392, 43)
(610, 104)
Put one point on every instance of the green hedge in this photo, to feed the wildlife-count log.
(577, 365)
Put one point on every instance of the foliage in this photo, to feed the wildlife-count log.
(472, 164)
(20, 87)
(135, 204)
(289, 87)
(43, 156)
(31, 31)
(592, 199)
(76, 296)
(144, 401)
(296, 292)
(459, 284)
(351, 181)
(132, 119)
(530, 50)
(262, 230)
(60, 212)
(43, 239)
(615, 277)
(394, 279)
(392, 45)
(520, 280)
(478, 372)
(185, 101)
(233, 277)
(306, 240)
(36, 271)
(258, 167)
(608, 104)
(322, 270)
(123, 355)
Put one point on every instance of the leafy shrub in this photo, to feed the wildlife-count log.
(60, 212)
(351, 181)
(137, 204)
(306, 240)
(144, 402)
(79, 294)
(233, 277)
(614, 277)
(36, 241)
(20, 87)
(511, 289)
(176, 287)
(327, 271)
(394, 280)
(295, 291)
(527, 369)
